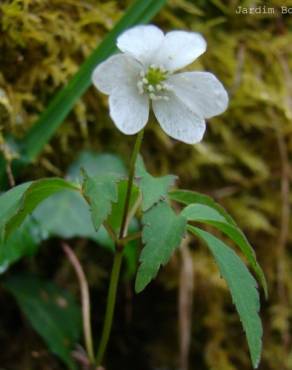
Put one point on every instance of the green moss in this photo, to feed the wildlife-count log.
(240, 161)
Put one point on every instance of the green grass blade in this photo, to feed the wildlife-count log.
(141, 12)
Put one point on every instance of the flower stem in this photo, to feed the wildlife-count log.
(111, 300)
(115, 274)
(135, 153)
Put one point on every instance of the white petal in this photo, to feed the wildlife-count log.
(128, 109)
(178, 121)
(141, 42)
(202, 92)
(118, 70)
(180, 48)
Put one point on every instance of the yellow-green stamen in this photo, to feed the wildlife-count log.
(153, 82)
(155, 76)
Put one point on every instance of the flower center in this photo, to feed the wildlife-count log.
(153, 83)
(155, 76)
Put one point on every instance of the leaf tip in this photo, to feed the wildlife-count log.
(139, 286)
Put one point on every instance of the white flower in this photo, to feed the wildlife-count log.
(144, 73)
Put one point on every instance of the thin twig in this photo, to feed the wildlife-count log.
(8, 157)
(10, 175)
(284, 228)
(85, 300)
(285, 195)
(239, 69)
(81, 357)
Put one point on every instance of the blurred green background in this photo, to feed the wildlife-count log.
(243, 162)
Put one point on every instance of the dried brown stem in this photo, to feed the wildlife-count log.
(284, 227)
(85, 300)
(186, 288)
(10, 175)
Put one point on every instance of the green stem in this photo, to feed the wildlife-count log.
(110, 307)
(131, 237)
(135, 153)
(112, 292)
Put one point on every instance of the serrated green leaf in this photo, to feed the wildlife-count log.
(32, 197)
(100, 192)
(210, 216)
(243, 288)
(51, 311)
(163, 231)
(95, 164)
(153, 189)
(71, 219)
(188, 197)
